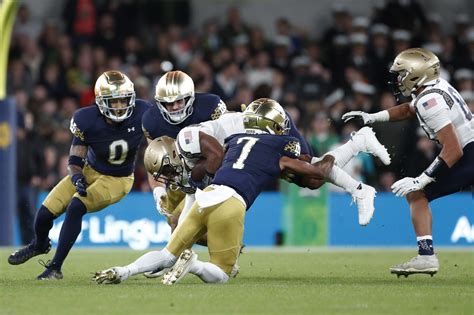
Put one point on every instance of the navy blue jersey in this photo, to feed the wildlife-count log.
(111, 147)
(253, 161)
(206, 107)
(305, 148)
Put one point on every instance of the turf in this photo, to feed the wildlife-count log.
(271, 282)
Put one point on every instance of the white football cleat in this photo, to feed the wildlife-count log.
(364, 198)
(370, 144)
(114, 275)
(427, 264)
(180, 268)
(157, 273)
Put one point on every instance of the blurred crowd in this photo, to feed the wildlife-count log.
(53, 67)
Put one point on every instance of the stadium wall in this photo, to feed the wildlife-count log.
(134, 223)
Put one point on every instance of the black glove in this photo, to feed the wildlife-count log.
(79, 181)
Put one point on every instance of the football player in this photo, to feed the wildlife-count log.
(177, 106)
(106, 138)
(180, 162)
(445, 118)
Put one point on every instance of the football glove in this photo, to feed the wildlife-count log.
(159, 194)
(79, 181)
(368, 119)
(406, 185)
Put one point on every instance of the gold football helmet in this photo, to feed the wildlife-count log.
(164, 163)
(266, 115)
(110, 87)
(174, 86)
(413, 68)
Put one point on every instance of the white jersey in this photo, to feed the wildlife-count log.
(188, 138)
(440, 104)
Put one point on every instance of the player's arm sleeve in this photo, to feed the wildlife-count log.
(219, 109)
(434, 111)
(305, 148)
(78, 131)
(292, 148)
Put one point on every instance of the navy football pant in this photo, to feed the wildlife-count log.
(460, 176)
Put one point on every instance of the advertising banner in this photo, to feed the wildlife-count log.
(453, 222)
(305, 216)
(133, 222)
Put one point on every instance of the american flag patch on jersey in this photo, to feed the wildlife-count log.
(429, 103)
(188, 137)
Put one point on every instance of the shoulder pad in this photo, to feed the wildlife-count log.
(437, 94)
(219, 110)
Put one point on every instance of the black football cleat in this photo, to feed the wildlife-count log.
(26, 253)
(52, 271)
(50, 274)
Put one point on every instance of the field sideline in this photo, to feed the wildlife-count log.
(289, 281)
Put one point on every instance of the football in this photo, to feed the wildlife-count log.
(199, 171)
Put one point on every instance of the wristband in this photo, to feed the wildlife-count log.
(381, 116)
(437, 168)
(76, 160)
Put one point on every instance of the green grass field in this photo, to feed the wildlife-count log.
(310, 281)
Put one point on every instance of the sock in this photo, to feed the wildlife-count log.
(339, 177)
(344, 153)
(208, 272)
(69, 231)
(151, 261)
(425, 245)
(44, 220)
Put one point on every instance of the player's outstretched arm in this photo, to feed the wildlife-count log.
(400, 112)
(309, 175)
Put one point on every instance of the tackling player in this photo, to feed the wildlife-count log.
(101, 163)
(445, 118)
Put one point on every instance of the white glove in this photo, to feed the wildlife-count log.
(159, 192)
(408, 184)
(367, 118)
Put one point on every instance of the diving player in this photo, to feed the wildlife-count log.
(445, 118)
(193, 143)
(101, 163)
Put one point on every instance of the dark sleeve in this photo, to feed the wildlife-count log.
(305, 149)
(292, 148)
(77, 129)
